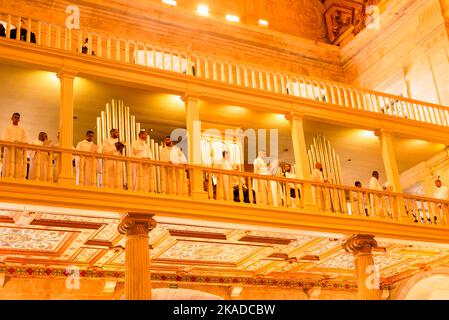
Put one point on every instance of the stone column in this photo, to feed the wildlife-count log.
(303, 170)
(193, 124)
(137, 255)
(367, 278)
(389, 158)
(66, 78)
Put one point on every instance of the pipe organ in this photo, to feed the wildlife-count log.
(321, 151)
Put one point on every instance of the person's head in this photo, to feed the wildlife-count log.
(319, 166)
(90, 135)
(262, 154)
(143, 135)
(358, 184)
(438, 183)
(15, 118)
(288, 167)
(376, 174)
(114, 133)
(168, 142)
(42, 136)
(225, 155)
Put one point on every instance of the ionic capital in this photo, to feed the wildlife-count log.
(360, 244)
(135, 224)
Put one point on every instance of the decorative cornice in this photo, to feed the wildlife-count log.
(54, 273)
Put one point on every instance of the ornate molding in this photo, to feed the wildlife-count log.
(345, 18)
(136, 224)
(360, 243)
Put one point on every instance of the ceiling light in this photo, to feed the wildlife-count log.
(203, 10)
(170, 2)
(263, 23)
(232, 18)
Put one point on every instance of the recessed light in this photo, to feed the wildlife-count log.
(232, 18)
(203, 10)
(170, 2)
(263, 22)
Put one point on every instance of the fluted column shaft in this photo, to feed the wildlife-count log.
(66, 78)
(367, 278)
(137, 255)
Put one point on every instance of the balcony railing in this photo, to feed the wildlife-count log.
(36, 164)
(104, 45)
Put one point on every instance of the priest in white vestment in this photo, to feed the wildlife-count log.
(140, 148)
(112, 169)
(14, 133)
(377, 206)
(172, 154)
(39, 160)
(261, 168)
(87, 166)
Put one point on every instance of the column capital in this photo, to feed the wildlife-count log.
(190, 95)
(136, 224)
(290, 116)
(360, 243)
(67, 73)
(383, 133)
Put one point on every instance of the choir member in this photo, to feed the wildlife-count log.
(112, 168)
(39, 159)
(261, 168)
(14, 133)
(172, 154)
(140, 148)
(85, 164)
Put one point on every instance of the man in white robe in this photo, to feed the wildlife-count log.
(14, 133)
(86, 165)
(140, 148)
(172, 154)
(376, 200)
(112, 169)
(320, 194)
(39, 160)
(261, 168)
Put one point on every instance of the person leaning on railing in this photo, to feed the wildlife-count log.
(2, 30)
(23, 33)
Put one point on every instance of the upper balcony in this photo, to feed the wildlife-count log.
(101, 55)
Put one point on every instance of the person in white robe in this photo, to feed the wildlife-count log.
(292, 190)
(14, 133)
(228, 183)
(39, 160)
(359, 200)
(377, 207)
(140, 148)
(261, 186)
(441, 193)
(112, 169)
(172, 154)
(320, 194)
(85, 165)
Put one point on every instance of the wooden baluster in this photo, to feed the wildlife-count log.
(109, 49)
(231, 74)
(39, 33)
(261, 80)
(180, 58)
(93, 171)
(245, 76)
(118, 50)
(28, 35)
(222, 71)
(210, 185)
(275, 84)
(174, 172)
(50, 166)
(99, 46)
(139, 177)
(206, 69)
(49, 36)
(127, 57)
(58, 37)
(214, 70)
(442, 117)
(8, 28)
(18, 27)
(12, 162)
(198, 66)
(241, 193)
(253, 78)
(268, 80)
(250, 190)
(237, 73)
(172, 65)
(283, 87)
(355, 210)
(152, 178)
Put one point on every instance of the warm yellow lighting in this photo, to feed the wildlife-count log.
(170, 2)
(232, 18)
(367, 134)
(203, 10)
(263, 23)
(236, 110)
(280, 116)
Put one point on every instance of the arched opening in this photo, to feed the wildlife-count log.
(435, 287)
(179, 294)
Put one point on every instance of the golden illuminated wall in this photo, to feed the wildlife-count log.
(289, 43)
(408, 55)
